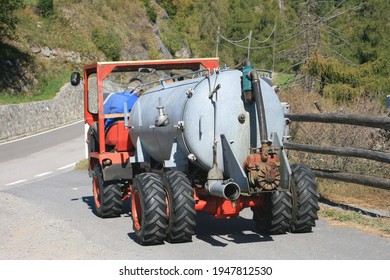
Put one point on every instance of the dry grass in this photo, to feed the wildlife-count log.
(82, 165)
(355, 195)
(378, 226)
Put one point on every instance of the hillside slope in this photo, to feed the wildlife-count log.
(338, 48)
(48, 46)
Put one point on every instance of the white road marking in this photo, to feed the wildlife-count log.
(16, 182)
(67, 166)
(43, 174)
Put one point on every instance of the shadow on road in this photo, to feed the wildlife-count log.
(216, 232)
(221, 232)
(89, 200)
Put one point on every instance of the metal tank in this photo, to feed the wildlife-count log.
(205, 120)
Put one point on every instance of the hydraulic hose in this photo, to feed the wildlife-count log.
(256, 88)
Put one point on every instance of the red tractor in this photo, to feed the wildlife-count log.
(181, 136)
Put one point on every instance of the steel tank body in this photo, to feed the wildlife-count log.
(196, 119)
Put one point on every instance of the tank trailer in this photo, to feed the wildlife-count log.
(195, 138)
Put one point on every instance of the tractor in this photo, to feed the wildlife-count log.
(181, 136)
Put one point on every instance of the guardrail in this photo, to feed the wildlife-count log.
(350, 119)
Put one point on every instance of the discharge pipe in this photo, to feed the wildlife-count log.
(215, 184)
(226, 189)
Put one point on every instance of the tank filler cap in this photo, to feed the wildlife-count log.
(162, 118)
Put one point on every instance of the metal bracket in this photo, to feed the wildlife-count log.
(232, 167)
(284, 168)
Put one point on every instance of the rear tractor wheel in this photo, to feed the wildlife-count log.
(181, 207)
(275, 216)
(107, 195)
(305, 199)
(149, 209)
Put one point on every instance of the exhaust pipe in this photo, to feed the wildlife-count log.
(226, 189)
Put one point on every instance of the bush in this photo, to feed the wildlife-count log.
(45, 7)
(108, 42)
(150, 11)
(168, 6)
(8, 20)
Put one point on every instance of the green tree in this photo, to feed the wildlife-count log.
(197, 22)
(352, 57)
(194, 23)
(8, 20)
(344, 82)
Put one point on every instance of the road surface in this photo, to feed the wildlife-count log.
(41, 155)
(47, 213)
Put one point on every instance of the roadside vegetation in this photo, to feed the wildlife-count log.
(82, 165)
(339, 217)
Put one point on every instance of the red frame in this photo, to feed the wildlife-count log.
(223, 208)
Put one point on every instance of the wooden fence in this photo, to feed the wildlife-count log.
(367, 121)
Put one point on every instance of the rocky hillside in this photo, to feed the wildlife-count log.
(45, 47)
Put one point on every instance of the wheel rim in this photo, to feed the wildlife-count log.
(168, 202)
(96, 191)
(136, 210)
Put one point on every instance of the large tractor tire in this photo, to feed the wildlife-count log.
(305, 199)
(275, 216)
(107, 195)
(93, 138)
(149, 209)
(181, 207)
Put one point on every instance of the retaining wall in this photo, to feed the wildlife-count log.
(27, 118)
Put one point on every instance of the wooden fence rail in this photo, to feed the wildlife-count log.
(380, 183)
(344, 151)
(352, 119)
(367, 121)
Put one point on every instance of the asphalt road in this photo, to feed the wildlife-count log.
(41, 155)
(52, 217)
